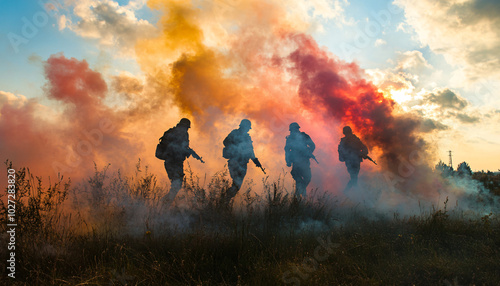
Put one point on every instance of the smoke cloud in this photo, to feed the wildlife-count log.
(253, 60)
(70, 137)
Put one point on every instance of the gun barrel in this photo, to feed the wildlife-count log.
(258, 164)
(368, 157)
(196, 156)
(314, 158)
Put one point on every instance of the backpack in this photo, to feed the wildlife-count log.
(229, 152)
(226, 154)
(298, 147)
(162, 147)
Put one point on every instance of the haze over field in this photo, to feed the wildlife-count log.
(100, 80)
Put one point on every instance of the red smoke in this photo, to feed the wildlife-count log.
(73, 82)
(24, 138)
(69, 142)
(339, 92)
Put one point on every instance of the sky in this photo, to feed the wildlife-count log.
(99, 81)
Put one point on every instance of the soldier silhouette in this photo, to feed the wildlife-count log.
(238, 149)
(351, 151)
(299, 150)
(175, 149)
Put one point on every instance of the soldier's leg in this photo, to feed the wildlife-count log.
(296, 177)
(353, 169)
(175, 172)
(237, 171)
(301, 172)
(306, 178)
(299, 180)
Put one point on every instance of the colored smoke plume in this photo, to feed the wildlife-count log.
(84, 130)
(253, 59)
(258, 75)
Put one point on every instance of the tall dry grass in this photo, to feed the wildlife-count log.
(113, 230)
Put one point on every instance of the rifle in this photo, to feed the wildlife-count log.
(314, 158)
(368, 157)
(258, 164)
(195, 155)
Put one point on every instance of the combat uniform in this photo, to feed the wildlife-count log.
(298, 152)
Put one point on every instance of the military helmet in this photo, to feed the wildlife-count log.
(245, 123)
(294, 126)
(347, 130)
(184, 122)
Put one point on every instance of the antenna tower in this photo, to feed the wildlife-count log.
(451, 162)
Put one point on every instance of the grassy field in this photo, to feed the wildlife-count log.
(113, 230)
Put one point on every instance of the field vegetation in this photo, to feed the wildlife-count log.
(114, 230)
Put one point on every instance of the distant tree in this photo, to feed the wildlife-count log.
(464, 169)
(444, 169)
(490, 181)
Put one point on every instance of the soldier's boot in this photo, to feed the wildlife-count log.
(169, 198)
(352, 183)
(300, 192)
(231, 193)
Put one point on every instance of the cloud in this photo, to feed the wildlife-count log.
(412, 61)
(446, 98)
(464, 31)
(325, 9)
(444, 104)
(465, 118)
(8, 98)
(429, 125)
(34, 58)
(380, 42)
(434, 107)
(399, 81)
(62, 22)
(113, 25)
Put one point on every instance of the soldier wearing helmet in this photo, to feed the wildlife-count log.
(299, 150)
(238, 149)
(351, 151)
(177, 150)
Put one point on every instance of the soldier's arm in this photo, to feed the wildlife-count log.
(185, 145)
(252, 153)
(363, 148)
(310, 143)
(249, 146)
(341, 152)
(287, 152)
(227, 140)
